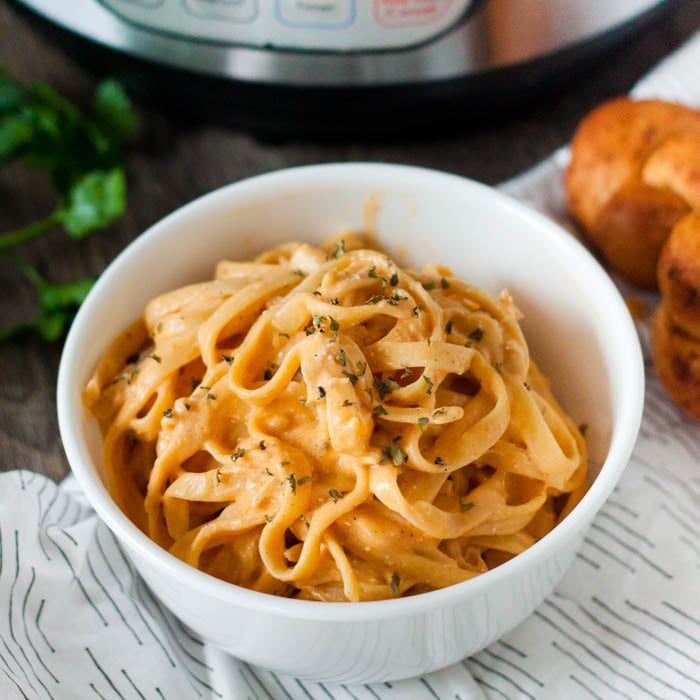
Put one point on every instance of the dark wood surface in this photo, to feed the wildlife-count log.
(175, 159)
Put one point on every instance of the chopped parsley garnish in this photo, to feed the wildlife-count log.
(228, 359)
(156, 358)
(422, 422)
(439, 412)
(440, 461)
(348, 403)
(396, 454)
(321, 393)
(361, 368)
(444, 283)
(318, 320)
(464, 507)
(335, 495)
(284, 335)
(309, 329)
(376, 298)
(583, 429)
(304, 480)
(352, 377)
(211, 397)
(317, 293)
(338, 249)
(448, 327)
(268, 518)
(527, 386)
(218, 476)
(262, 445)
(335, 326)
(384, 387)
(395, 585)
(268, 472)
(238, 454)
(416, 310)
(372, 272)
(267, 374)
(304, 520)
(292, 482)
(341, 359)
(429, 285)
(300, 273)
(187, 406)
(428, 385)
(394, 279)
(334, 301)
(477, 334)
(407, 372)
(498, 366)
(379, 410)
(168, 412)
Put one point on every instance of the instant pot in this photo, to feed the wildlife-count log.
(333, 66)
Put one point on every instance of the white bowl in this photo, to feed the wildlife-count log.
(578, 329)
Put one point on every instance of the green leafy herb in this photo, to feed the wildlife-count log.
(583, 429)
(448, 327)
(395, 584)
(321, 393)
(477, 334)
(156, 358)
(352, 377)
(498, 366)
(429, 285)
(384, 387)
(440, 461)
(268, 518)
(228, 359)
(304, 480)
(428, 385)
(335, 495)
(292, 482)
(379, 410)
(444, 283)
(422, 422)
(395, 453)
(394, 279)
(338, 249)
(83, 155)
(238, 454)
(168, 413)
(464, 507)
(267, 374)
(341, 359)
(347, 403)
(262, 445)
(303, 519)
(218, 476)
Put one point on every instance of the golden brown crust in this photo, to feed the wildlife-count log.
(679, 274)
(676, 357)
(609, 186)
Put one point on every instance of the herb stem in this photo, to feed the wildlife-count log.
(34, 230)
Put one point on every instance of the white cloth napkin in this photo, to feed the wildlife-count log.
(77, 622)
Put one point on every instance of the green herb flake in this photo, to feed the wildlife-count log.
(335, 326)
(464, 507)
(372, 272)
(361, 368)
(335, 495)
(338, 249)
(379, 410)
(238, 454)
(284, 335)
(395, 584)
(396, 454)
(318, 320)
(187, 406)
(300, 273)
(429, 285)
(228, 359)
(218, 476)
(394, 279)
(292, 482)
(477, 334)
(376, 298)
(352, 377)
(156, 358)
(498, 366)
(347, 403)
(422, 422)
(317, 293)
(211, 397)
(407, 372)
(304, 480)
(384, 387)
(321, 393)
(444, 283)
(309, 329)
(416, 310)
(341, 359)
(335, 301)
(448, 327)
(428, 385)
(262, 445)
(268, 518)
(440, 461)
(168, 412)
(583, 429)
(267, 374)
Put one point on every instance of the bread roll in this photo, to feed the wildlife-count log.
(632, 177)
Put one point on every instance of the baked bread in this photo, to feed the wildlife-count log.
(634, 173)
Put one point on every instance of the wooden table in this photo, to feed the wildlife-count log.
(175, 159)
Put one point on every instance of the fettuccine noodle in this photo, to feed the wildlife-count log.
(323, 424)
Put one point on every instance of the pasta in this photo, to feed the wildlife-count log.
(323, 424)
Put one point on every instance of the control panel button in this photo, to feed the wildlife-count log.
(318, 14)
(231, 10)
(409, 13)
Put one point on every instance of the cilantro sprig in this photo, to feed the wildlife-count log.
(82, 152)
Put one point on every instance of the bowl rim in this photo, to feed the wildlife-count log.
(627, 409)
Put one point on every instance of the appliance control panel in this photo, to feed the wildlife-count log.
(326, 25)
